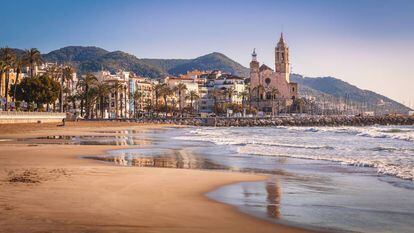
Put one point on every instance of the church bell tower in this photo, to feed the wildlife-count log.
(282, 64)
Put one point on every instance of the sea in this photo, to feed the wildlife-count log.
(333, 179)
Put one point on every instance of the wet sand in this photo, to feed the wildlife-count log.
(48, 188)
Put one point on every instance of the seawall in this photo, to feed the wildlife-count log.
(30, 117)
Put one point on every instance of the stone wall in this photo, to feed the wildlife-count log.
(30, 117)
(282, 121)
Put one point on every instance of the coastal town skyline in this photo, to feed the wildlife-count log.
(206, 116)
(327, 40)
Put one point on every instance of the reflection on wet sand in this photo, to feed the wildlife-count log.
(273, 199)
(114, 140)
(177, 159)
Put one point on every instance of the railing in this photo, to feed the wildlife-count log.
(51, 114)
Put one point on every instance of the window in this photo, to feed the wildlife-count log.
(293, 88)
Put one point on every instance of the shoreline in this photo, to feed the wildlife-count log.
(69, 194)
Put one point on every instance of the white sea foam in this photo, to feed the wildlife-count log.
(389, 149)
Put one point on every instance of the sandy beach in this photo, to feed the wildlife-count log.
(49, 188)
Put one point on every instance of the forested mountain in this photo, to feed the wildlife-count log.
(91, 59)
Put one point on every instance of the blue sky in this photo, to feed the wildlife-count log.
(367, 43)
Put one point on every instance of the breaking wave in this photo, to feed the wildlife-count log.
(388, 149)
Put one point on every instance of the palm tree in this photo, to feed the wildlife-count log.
(193, 95)
(157, 92)
(72, 99)
(3, 69)
(86, 83)
(32, 57)
(165, 93)
(115, 88)
(229, 92)
(66, 76)
(55, 72)
(244, 95)
(216, 94)
(103, 90)
(180, 88)
(7, 55)
(18, 66)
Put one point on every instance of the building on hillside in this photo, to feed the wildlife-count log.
(119, 99)
(190, 84)
(225, 89)
(144, 87)
(272, 89)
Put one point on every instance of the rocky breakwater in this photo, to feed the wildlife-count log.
(317, 121)
(282, 121)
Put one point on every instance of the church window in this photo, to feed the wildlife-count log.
(268, 81)
(268, 96)
(293, 89)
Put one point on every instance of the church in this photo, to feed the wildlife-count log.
(271, 90)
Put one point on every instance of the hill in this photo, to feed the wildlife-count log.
(91, 59)
(341, 90)
(212, 61)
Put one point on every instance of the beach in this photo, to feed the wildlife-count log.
(51, 188)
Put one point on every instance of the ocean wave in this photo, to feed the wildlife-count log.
(399, 166)
(337, 144)
(392, 132)
(249, 141)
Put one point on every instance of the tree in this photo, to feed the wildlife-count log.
(38, 89)
(229, 92)
(8, 57)
(216, 94)
(180, 88)
(72, 99)
(102, 91)
(32, 57)
(193, 95)
(166, 91)
(157, 92)
(85, 83)
(66, 76)
(244, 95)
(3, 69)
(115, 88)
(18, 66)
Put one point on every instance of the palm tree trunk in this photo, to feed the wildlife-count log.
(116, 105)
(82, 107)
(15, 84)
(166, 106)
(61, 94)
(6, 89)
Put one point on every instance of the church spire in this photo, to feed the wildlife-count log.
(254, 55)
(281, 42)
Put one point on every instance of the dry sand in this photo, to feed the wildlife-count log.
(48, 188)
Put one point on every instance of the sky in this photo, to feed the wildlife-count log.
(368, 43)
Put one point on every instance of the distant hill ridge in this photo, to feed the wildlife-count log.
(92, 59)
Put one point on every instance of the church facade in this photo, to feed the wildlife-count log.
(271, 90)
